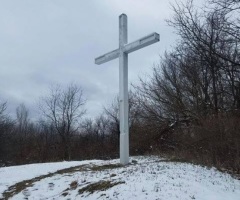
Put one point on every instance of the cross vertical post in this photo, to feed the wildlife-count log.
(123, 91)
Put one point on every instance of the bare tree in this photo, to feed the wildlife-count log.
(22, 119)
(64, 108)
(228, 5)
(112, 114)
(7, 150)
(211, 38)
(3, 107)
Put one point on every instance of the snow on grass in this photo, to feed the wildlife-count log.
(14, 174)
(145, 178)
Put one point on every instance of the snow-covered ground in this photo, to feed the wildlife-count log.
(145, 178)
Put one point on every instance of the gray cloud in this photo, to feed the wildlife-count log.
(48, 42)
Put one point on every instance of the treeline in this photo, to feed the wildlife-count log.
(61, 133)
(189, 108)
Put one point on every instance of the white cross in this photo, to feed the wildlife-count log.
(122, 54)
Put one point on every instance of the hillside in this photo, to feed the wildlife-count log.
(145, 178)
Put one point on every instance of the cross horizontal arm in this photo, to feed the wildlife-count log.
(128, 48)
(142, 42)
(107, 57)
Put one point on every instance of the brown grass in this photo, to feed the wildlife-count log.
(99, 186)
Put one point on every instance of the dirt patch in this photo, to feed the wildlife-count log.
(105, 167)
(99, 186)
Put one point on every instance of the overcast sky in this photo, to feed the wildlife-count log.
(45, 42)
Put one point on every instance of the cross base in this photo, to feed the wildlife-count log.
(124, 148)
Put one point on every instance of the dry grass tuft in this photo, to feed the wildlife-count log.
(99, 186)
